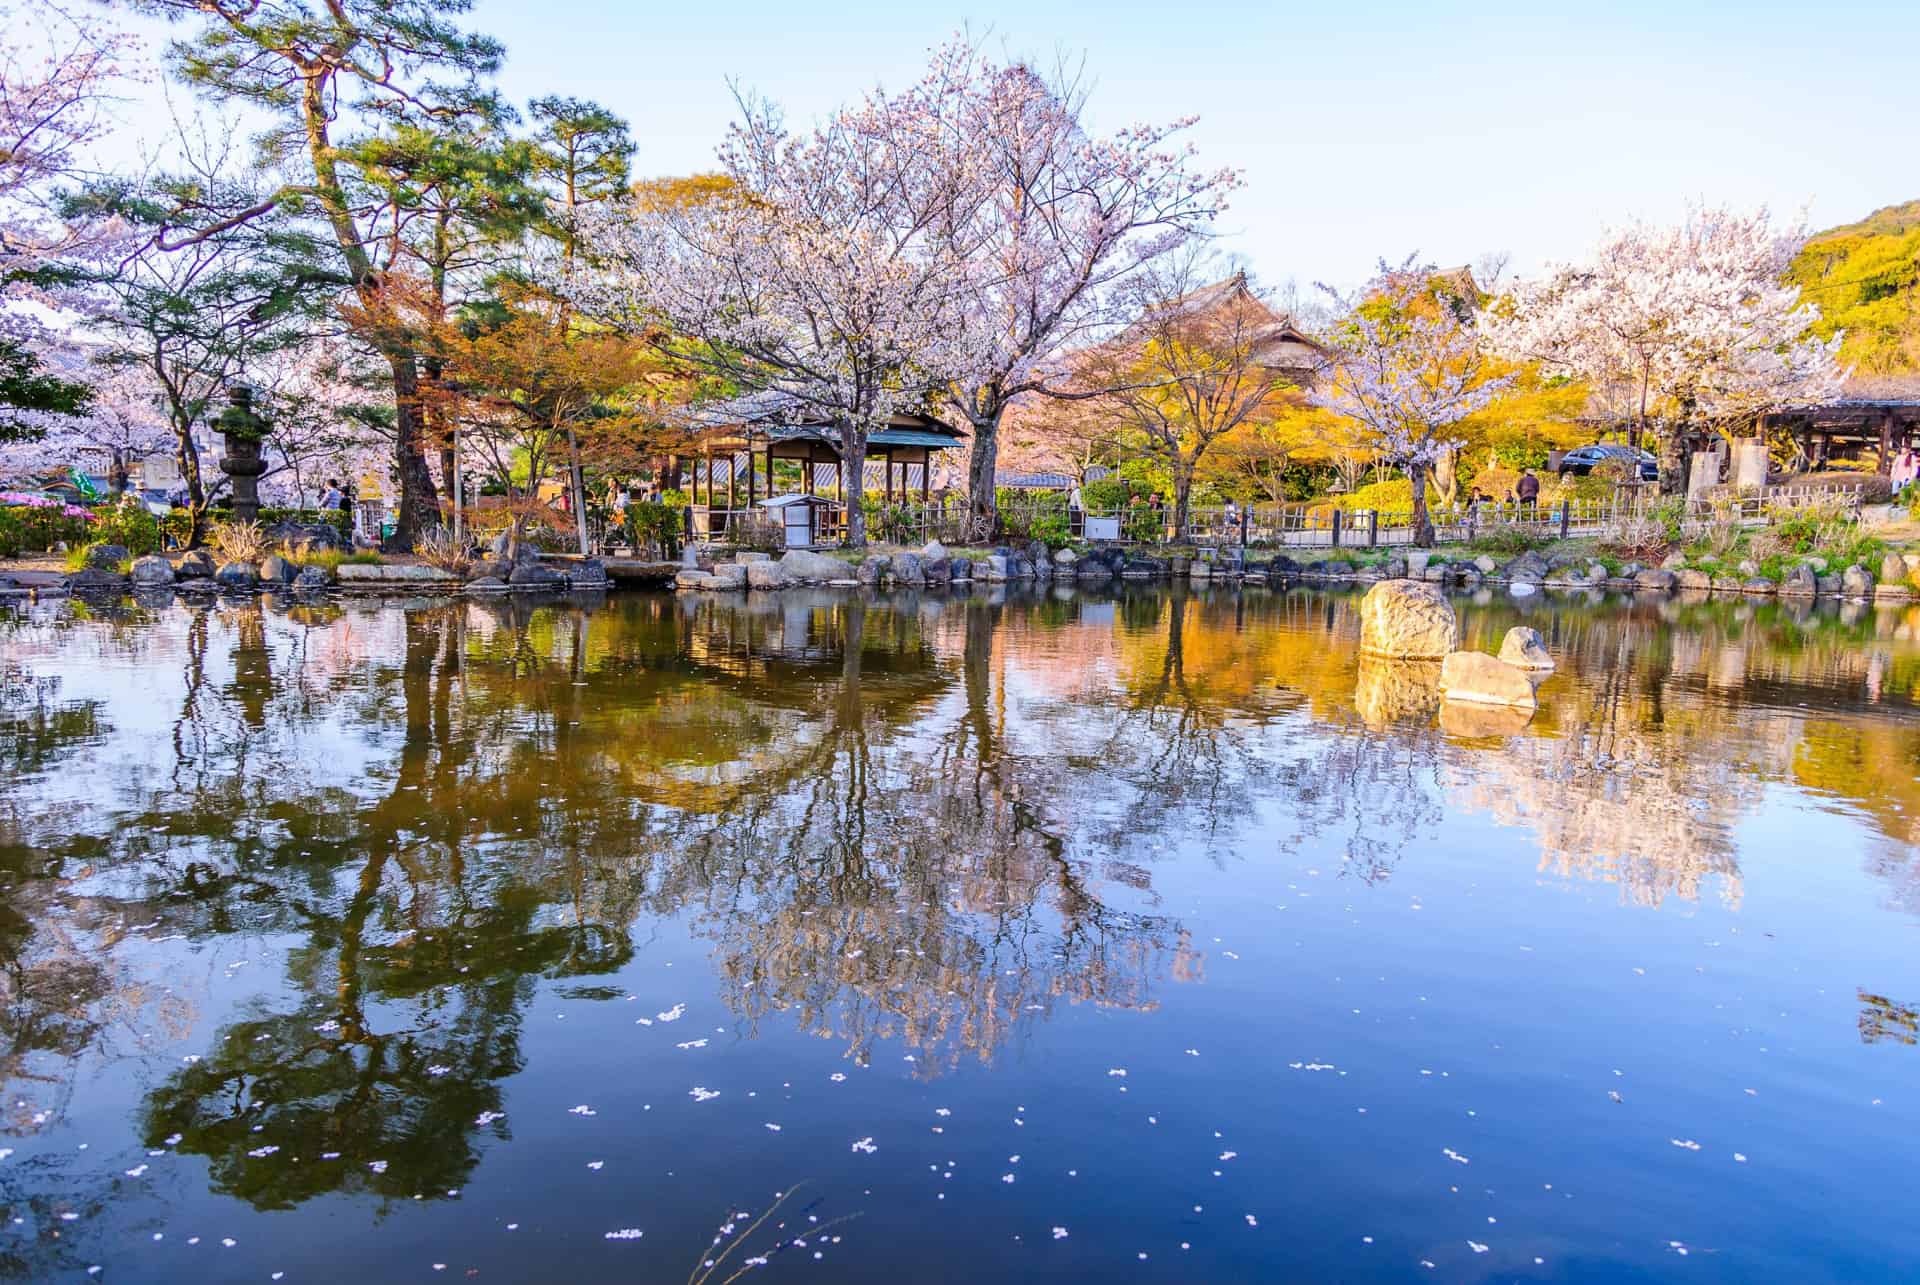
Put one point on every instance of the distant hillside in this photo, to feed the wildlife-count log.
(1865, 277)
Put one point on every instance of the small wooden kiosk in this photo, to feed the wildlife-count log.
(735, 471)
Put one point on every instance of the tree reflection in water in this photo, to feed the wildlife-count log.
(912, 819)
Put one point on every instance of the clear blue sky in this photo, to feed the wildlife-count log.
(1363, 129)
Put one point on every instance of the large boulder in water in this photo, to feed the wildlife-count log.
(152, 571)
(1488, 680)
(276, 570)
(1524, 647)
(106, 557)
(236, 577)
(1410, 619)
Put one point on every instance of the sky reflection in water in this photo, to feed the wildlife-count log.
(1037, 935)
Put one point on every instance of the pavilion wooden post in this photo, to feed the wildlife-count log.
(1886, 442)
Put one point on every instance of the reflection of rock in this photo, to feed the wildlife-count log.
(1390, 691)
(1477, 677)
(1407, 618)
(1472, 719)
(1523, 646)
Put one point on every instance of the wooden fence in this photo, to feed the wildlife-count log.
(1276, 526)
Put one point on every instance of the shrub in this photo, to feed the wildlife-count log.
(334, 559)
(1395, 495)
(1053, 529)
(439, 550)
(77, 558)
(656, 526)
(238, 541)
(130, 524)
(1508, 542)
(33, 523)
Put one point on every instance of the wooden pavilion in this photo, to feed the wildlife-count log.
(735, 470)
(1852, 428)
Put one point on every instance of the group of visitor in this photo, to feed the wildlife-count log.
(337, 496)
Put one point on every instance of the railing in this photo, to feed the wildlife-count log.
(1284, 525)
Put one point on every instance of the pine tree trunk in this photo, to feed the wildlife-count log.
(419, 501)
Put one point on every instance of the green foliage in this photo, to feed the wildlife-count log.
(76, 559)
(1054, 529)
(128, 523)
(1865, 277)
(34, 529)
(659, 526)
(24, 386)
(1508, 542)
(1668, 514)
(1521, 454)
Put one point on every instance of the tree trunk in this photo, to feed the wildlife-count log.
(853, 464)
(578, 483)
(187, 456)
(1422, 524)
(1675, 461)
(419, 502)
(1446, 477)
(1182, 497)
(982, 511)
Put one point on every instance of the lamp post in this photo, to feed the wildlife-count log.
(243, 430)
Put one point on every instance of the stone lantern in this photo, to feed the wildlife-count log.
(244, 430)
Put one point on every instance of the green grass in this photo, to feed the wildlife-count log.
(332, 560)
(77, 561)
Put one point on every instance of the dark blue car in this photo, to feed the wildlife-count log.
(1584, 459)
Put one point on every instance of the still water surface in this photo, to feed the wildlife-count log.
(1050, 936)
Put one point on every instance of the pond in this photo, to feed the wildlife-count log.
(1016, 936)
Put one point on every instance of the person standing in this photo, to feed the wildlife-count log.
(330, 496)
(1527, 491)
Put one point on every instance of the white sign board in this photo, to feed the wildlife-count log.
(1102, 528)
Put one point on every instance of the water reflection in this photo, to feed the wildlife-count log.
(915, 820)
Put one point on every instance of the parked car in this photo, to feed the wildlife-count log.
(1584, 459)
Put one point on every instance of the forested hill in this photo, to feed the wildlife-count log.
(1865, 277)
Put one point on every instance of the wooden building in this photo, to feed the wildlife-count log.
(1851, 428)
(737, 468)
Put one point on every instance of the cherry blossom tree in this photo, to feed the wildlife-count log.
(1696, 320)
(1407, 366)
(1048, 217)
(814, 279)
(57, 72)
(119, 427)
